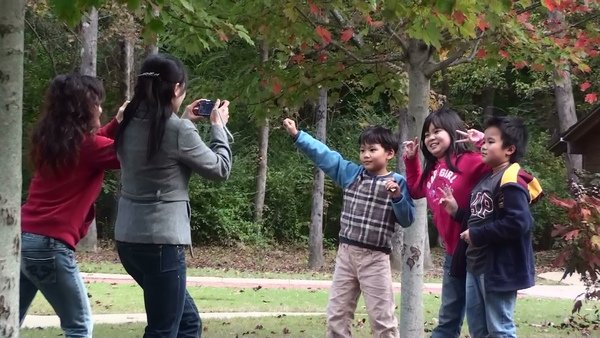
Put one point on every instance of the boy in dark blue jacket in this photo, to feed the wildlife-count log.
(375, 199)
(499, 256)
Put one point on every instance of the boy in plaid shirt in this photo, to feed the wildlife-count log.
(375, 199)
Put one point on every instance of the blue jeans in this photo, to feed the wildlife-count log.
(161, 272)
(452, 310)
(49, 265)
(489, 314)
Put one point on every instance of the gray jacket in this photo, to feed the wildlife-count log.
(154, 205)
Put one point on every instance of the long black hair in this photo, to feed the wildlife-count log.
(154, 91)
(70, 103)
(447, 119)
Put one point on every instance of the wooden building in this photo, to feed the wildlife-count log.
(582, 138)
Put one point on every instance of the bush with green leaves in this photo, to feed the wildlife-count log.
(551, 173)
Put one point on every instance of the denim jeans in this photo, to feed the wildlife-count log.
(452, 310)
(160, 271)
(489, 314)
(49, 265)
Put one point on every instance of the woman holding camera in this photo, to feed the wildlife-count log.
(158, 152)
(70, 152)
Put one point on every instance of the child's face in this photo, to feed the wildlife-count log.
(375, 158)
(493, 151)
(437, 141)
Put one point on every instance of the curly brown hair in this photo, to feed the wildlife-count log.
(69, 106)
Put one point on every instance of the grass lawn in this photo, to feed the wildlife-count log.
(290, 326)
(532, 315)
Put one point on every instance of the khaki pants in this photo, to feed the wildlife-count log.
(361, 270)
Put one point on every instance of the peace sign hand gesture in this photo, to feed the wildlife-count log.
(472, 135)
(447, 200)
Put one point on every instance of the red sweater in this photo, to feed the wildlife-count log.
(63, 207)
(471, 168)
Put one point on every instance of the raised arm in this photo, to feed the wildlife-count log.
(331, 162)
(213, 161)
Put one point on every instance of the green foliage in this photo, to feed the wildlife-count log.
(550, 171)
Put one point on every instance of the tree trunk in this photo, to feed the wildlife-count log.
(152, 47)
(411, 306)
(563, 95)
(89, 40)
(565, 108)
(261, 174)
(315, 257)
(487, 102)
(398, 236)
(128, 67)
(263, 147)
(11, 99)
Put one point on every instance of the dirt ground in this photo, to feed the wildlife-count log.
(280, 258)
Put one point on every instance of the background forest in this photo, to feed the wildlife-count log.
(224, 213)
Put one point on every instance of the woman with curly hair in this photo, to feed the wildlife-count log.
(69, 152)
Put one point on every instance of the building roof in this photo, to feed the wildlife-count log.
(577, 131)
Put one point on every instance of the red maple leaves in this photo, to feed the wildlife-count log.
(324, 34)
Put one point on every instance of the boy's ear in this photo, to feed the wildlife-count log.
(510, 150)
(390, 154)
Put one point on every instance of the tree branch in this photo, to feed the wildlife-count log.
(387, 60)
(457, 57)
(529, 8)
(39, 38)
(340, 19)
(576, 24)
(167, 10)
(403, 43)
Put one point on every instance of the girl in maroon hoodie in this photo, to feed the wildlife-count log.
(69, 152)
(448, 163)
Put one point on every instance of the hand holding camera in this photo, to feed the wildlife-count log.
(217, 111)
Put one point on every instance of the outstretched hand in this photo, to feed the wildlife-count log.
(448, 201)
(473, 136)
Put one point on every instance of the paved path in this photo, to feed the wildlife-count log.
(563, 291)
(34, 321)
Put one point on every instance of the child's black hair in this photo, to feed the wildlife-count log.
(448, 120)
(379, 135)
(513, 133)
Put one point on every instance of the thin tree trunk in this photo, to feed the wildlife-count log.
(12, 18)
(263, 147)
(565, 103)
(398, 236)
(152, 48)
(565, 108)
(89, 38)
(128, 67)
(411, 306)
(315, 257)
(487, 102)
